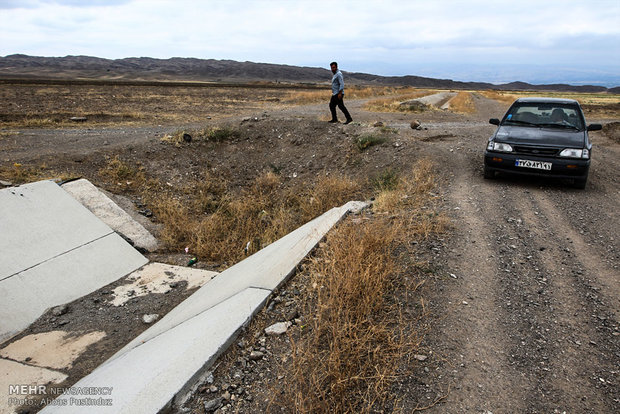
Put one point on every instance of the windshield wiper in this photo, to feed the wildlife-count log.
(565, 126)
(521, 122)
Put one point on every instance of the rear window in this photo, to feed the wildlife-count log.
(544, 114)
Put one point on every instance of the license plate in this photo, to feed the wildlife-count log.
(539, 165)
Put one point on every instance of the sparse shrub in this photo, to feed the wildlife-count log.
(218, 134)
(388, 130)
(365, 141)
(123, 175)
(388, 180)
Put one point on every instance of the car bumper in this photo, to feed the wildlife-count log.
(560, 168)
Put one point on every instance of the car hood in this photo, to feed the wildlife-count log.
(540, 136)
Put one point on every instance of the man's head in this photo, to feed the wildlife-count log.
(334, 66)
(557, 115)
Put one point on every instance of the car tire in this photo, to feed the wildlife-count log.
(488, 174)
(580, 183)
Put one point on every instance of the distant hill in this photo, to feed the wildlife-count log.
(191, 69)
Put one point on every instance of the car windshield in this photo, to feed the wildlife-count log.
(551, 115)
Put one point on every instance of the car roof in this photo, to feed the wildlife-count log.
(547, 100)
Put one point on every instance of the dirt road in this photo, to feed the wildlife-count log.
(525, 302)
(525, 317)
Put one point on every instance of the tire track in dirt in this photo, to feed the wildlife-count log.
(485, 380)
(576, 367)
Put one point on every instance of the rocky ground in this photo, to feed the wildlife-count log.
(524, 297)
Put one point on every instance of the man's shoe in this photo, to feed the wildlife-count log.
(333, 121)
(348, 121)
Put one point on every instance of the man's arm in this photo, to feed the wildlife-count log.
(341, 85)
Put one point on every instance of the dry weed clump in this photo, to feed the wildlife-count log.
(224, 226)
(409, 196)
(368, 140)
(214, 134)
(122, 175)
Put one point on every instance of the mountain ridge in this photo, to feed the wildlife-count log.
(22, 66)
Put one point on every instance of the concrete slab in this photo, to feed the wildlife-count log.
(63, 279)
(147, 378)
(158, 278)
(40, 221)
(110, 213)
(14, 373)
(52, 251)
(266, 269)
(436, 98)
(54, 349)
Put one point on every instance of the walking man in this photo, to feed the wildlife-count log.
(338, 95)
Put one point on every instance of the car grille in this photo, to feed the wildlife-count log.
(549, 152)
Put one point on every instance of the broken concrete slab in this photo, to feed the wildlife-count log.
(149, 377)
(38, 222)
(110, 213)
(14, 374)
(266, 269)
(160, 366)
(159, 278)
(56, 349)
(52, 251)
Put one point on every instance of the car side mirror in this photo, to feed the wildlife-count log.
(494, 121)
(595, 127)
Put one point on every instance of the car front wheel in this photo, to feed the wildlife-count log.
(488, 174)
(580, 183)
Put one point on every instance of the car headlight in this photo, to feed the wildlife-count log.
(499, 146)
(575, 153)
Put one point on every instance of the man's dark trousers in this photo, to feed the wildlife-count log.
(335, 102)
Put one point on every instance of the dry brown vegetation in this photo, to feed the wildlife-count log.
(351, 92)
(47, 106)
(357, 339)
(220, 225)
(20, 174)
(499, 96)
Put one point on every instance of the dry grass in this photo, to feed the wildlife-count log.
(504, 97)
(223, 227)
(122, 175)
(463, 102)
(357, 337)
(351, 92)
(63, 120)
(19, 173)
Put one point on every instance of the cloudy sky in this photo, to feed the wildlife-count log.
(574, 41)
